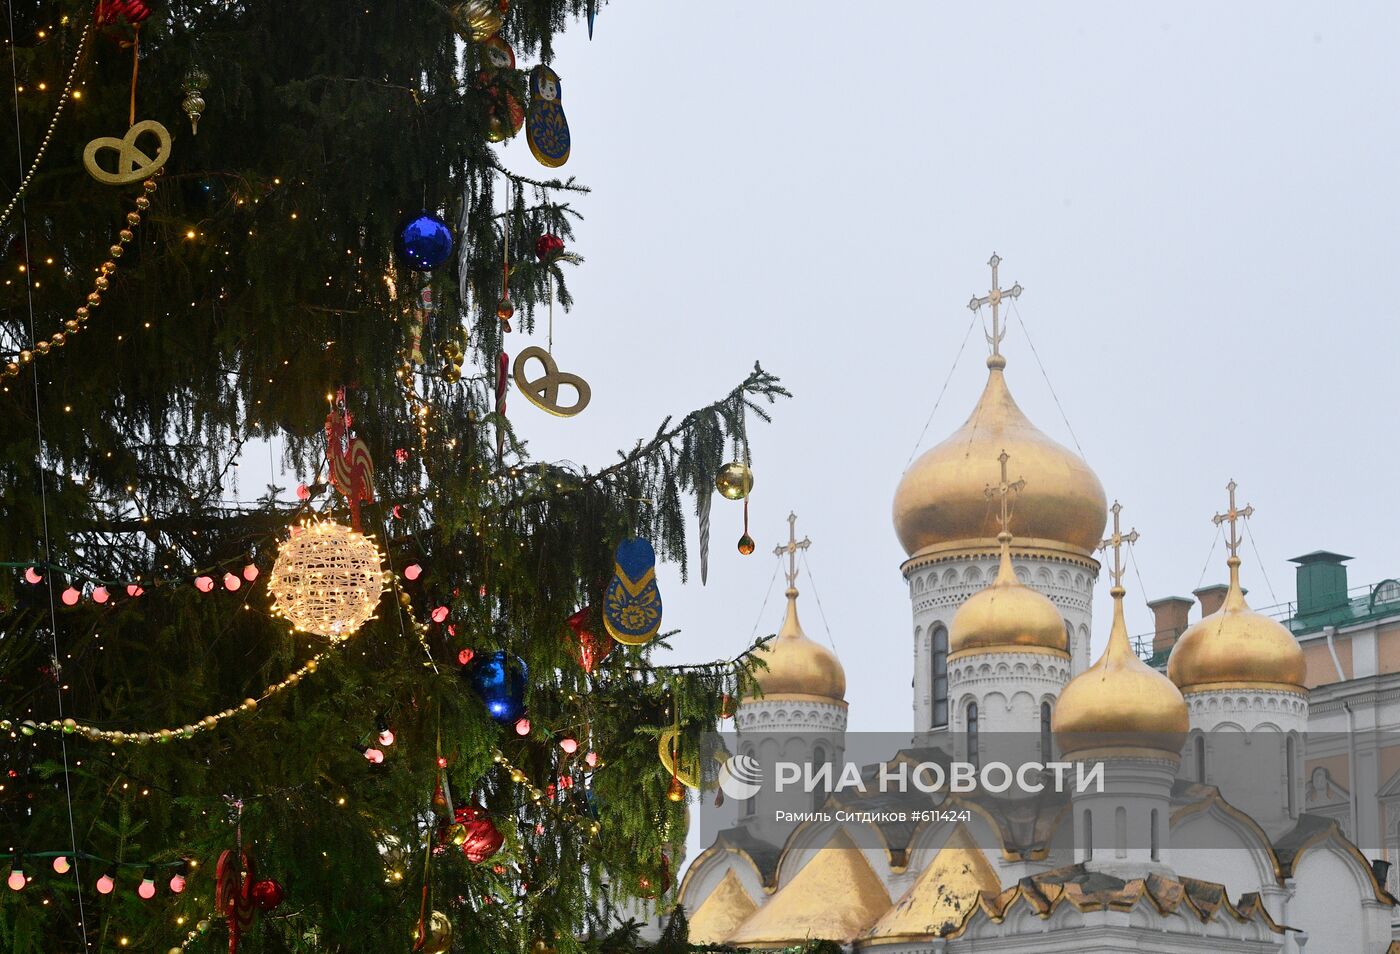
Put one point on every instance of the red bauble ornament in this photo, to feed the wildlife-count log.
(483, 840)
(654, 886)
(547, 246)
(592, 647)
(267, 894)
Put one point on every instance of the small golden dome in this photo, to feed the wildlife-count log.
(1007, 616)
(1235, 646)
(941, 498)
(797, 666)
(1120, 702)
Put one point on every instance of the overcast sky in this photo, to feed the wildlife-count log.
(1200, 203)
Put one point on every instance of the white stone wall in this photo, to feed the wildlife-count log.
(939, 585)
(786, 730)
(1255, 751)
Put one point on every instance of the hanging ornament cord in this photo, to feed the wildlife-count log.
(43, 479)
(549, 278)
(746, 516)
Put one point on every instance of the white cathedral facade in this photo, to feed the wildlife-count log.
(1200, 841)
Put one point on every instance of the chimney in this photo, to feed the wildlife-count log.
(1170, 613)
(1322, 582)
(1210, 597)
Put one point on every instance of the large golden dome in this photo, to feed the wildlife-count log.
(941, 498)
(797, 666)
(1120, 702)
(1007, 616)
(1237, 647)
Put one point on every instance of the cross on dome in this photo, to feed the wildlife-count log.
(1233, 516)
(1004, 490)
(792, 548)
(1116, 541)
(994, 298)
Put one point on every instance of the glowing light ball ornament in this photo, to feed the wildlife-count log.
(499, 680)
(424, 242)
(327, 580)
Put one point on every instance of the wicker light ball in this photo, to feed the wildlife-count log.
(327, 580)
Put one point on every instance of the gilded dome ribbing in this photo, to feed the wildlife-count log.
(1007, 616)
(1237, 647)
(797, 666)
(940, 500)
(1120, 702)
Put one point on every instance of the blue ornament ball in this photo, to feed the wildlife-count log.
(499, 679)
(424, 242)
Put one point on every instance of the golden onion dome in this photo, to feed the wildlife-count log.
(1120, 702)
(797, 666)
(1236, 647)
(1007, 616)
(941, 498)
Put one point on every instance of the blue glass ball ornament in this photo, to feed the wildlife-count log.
(499, 680)
(424, 242)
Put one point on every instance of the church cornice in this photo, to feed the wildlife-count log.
(988, 548)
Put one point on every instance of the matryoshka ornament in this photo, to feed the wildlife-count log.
(546, 127)
(504, 112)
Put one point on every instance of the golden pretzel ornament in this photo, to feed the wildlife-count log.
(133, 165)
(543, 392)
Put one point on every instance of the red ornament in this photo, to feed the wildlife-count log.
(484, 839)
(592, 647)
(109, 12)
(233, 892)
(267, 894)
(658, 884)
(466, 655)
(352, 470)
(548, 246)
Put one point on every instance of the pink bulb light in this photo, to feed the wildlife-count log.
(105, 884)
(386, 737)
(439, 614)
(466, 656)
(100, 595)
(203, 583)
(177, 884)
(32, 576)
(374, 755)
(592, 759)
(232, 582)
(412, 572)
(250, 573)
(61, 865)
(147, 891)
(522, 727)
(570, 746)
(71, 596)
(16, 880)
(133, 590)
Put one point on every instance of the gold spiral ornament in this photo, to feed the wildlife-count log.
(327, 580)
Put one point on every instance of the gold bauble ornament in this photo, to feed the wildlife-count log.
(327, 580)
(435, 936)
(734, 480)
(479, 19)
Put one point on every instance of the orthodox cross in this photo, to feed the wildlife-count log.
(1233, 515)
(792, 548)
(1116, 541)
(994, 298)
(1006, 488)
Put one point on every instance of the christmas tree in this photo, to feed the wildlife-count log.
(208, 743)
